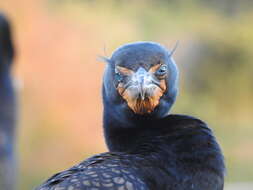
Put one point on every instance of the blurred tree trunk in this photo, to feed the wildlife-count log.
(7, 110)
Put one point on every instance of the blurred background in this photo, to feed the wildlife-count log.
(59, 77)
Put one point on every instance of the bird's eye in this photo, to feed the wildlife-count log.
(118, 77)
(162, 70)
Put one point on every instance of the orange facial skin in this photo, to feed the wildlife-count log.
(142, 98)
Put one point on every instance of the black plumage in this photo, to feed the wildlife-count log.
(7, 109)
(149, 148)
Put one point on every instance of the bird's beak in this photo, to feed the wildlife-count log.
(143, 91)
(143, 80)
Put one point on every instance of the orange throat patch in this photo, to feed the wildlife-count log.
(146, 105)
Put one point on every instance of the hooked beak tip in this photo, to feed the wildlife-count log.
(143, 93)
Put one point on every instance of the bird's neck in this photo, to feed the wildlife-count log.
(119, 136)
(124, 134)
(7, 102)
(4, 71)
(5, 82)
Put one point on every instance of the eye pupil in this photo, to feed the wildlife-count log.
(118, 77)
(162, 70)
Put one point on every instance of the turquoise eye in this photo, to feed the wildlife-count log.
(162, 70)
(118, 77)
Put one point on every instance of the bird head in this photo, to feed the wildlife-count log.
(141, 78)
(6, 47)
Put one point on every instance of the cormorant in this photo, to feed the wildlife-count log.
(7, 109)
(149, 149)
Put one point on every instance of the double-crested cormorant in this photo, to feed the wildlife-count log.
(149, 149)
(7, 109)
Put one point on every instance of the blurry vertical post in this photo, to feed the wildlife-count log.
(7, 110)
